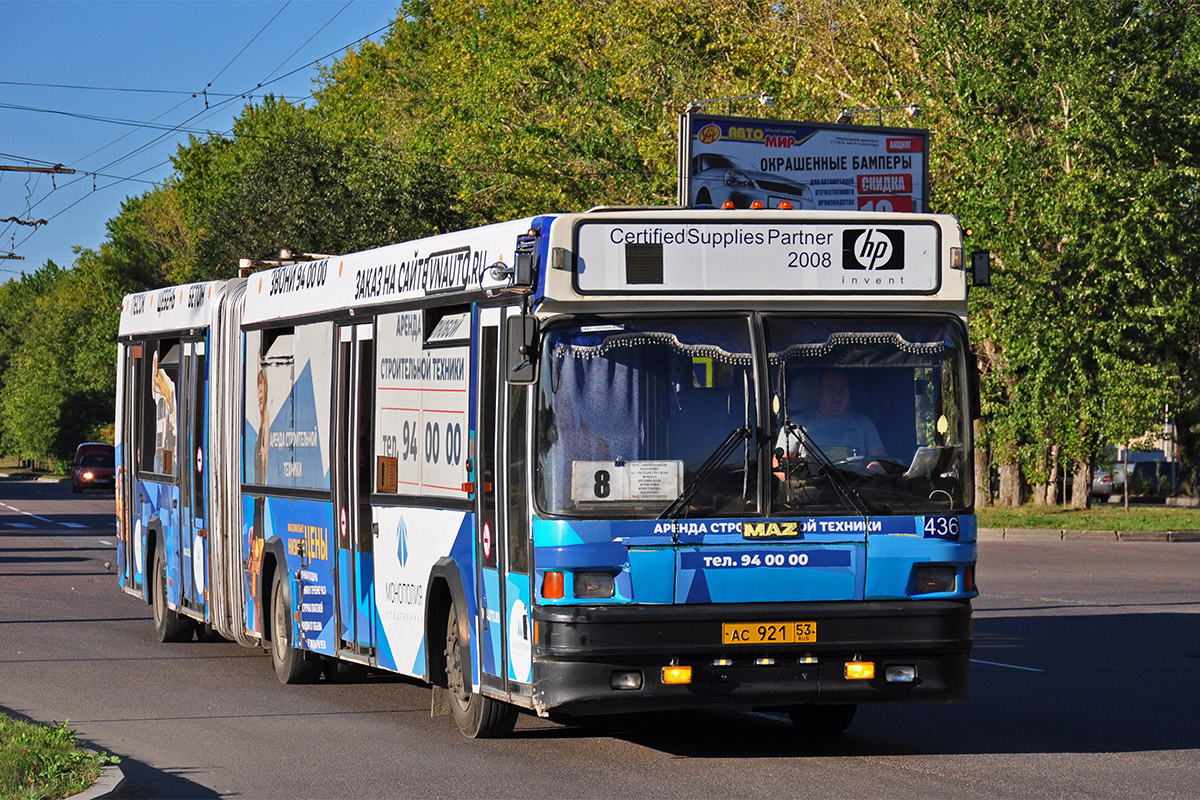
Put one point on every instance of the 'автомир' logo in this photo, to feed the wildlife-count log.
(872, 249)
(709, 134)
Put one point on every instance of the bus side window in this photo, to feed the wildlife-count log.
(145, 407)
(160, 403)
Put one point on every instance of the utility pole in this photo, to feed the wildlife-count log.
(57, 169)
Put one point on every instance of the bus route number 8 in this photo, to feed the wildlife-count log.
(603, 487)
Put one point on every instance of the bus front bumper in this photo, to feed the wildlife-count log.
(611, 659)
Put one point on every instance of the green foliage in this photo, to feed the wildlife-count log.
(44, 762)
(304, 192)
(1075, 162)
(58, 382)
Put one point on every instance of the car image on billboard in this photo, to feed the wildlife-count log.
(716, 178)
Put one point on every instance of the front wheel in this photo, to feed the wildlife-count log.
(821, 721)
(477, 717)
(168, 625)
(290, 664)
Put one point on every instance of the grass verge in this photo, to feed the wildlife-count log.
(1099, 518)
(44, 762)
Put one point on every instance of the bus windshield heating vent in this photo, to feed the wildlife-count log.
(643, 263)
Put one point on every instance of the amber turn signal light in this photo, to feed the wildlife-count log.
(676, 675)
(552, 586)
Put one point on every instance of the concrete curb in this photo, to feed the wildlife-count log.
(111, 784)
(1051, 535)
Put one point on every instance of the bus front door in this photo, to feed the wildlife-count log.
(502, 580)
(352, 492)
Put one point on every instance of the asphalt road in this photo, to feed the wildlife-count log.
(1087, 663)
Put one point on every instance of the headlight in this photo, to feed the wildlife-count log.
(929, 579)
(737, 178)
(594, 584)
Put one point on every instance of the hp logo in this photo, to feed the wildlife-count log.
(872, 249)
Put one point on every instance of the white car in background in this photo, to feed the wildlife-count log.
(717, 178)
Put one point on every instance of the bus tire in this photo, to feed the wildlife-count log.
(821, 721)
(168, 625)
(290, 665)
(205, 632)
(336, 671)
(477, 717)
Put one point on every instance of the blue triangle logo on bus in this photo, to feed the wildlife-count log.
(402, 547)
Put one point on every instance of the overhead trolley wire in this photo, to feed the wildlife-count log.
(154, 141)
(210, 108)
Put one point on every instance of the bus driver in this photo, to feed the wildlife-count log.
(838, 431)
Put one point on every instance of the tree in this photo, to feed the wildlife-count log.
(1069, 121)
(58, 384)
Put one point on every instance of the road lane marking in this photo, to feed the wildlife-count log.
(72, 525)
(26, 513)
(1009, 666)
(19, 525)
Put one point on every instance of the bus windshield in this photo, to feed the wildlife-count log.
(633, 414)
(865, 417)
(868, 417)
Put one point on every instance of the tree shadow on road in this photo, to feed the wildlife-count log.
(144, 781)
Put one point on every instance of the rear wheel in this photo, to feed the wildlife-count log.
(207, 633)
(290, 664)
(168, 625)
(478, 717)
(821, 721)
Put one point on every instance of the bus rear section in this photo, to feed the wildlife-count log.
(168, 348)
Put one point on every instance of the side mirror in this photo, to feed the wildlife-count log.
(981, 268)
(521, 349)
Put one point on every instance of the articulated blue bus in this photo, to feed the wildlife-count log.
(587, 463)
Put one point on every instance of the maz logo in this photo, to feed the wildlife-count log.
(872, 249)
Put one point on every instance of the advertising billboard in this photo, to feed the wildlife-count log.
(811, 165)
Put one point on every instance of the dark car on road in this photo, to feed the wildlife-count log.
(94, 467)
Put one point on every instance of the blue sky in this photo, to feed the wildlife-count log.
(167, 50)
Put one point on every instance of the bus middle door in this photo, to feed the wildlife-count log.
(192, 526)
(354, 393)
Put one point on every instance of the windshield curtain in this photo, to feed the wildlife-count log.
(869, 416)
(629, 413)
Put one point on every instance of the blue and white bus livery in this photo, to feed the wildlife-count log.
(615, 461)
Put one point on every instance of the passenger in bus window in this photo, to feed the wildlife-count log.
(163, 391)
(840, 432)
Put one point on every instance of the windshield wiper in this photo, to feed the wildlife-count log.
(710, 465)
(849, 496)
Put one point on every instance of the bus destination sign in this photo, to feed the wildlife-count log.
(755, 257)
